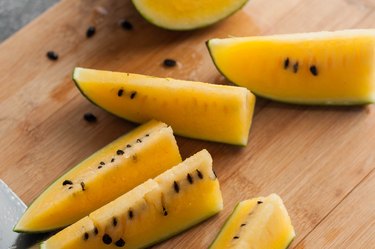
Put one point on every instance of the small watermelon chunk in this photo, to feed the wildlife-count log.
(322, 68)
(193, 109)
(151, 212)
(257, 223)
(135, 157)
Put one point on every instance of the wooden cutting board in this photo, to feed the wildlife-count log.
(321, 160)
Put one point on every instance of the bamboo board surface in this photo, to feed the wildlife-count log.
(319, 159)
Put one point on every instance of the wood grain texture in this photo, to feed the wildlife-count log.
(319, 159)
(351, 224)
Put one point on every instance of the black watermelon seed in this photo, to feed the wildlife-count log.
(165, 211)
(236, 237)
(295, 67)
(243, 224)
(120, 92)
(139, 140)
(169, 63)
(120, 152)
(147, 135)
(128, 146)
(286, 63)
(70, 187)
(107, 239)
(90, 32)
(96, 231)
(89, 117)
(132, 95)
(125, 24)
(260, 202)
(67, 182)
(130, 214)
(114, 221)
(200, 175)
(120, 243)
(189, 178)
(52, 55)
(176, 187)
(100, 166)
(83, 186)
(102, 163)
(112, 160)
(314, 70)
(85, 236)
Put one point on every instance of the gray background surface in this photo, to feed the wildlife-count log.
(14, 14)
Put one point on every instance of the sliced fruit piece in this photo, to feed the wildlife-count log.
(327, 68)
(194, 109)
(115, 169)
(185, 14)
(257, 223)
(155, 210)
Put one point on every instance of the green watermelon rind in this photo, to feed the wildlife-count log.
(224, 225)
(183, 229)
(46, 230)
(205, 25)
(52, 184)
(77, 84)
(227, 221)
(286, 101)
(43, 246)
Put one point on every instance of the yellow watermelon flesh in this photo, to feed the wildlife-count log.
(257, 223)
(186, 14)
(115, 169)
(153, 211)
(322, 68)
(193, 109)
